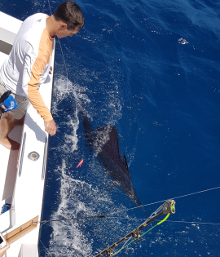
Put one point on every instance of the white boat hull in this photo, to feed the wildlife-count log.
(22, 180)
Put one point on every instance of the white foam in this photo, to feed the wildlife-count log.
(67, 237)
(79, 197)
(182, 41)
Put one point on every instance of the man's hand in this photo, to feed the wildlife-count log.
(50, 127)
(4, 249)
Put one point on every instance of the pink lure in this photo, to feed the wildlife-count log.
(80, 163)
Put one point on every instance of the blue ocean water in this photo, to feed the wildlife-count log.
(150, 68)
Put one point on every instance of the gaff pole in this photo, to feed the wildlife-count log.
(165, 209)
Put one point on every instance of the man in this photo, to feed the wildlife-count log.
(28, 65)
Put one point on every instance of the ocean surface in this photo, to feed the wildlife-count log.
(151, 69)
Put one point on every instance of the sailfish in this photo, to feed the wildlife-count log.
(108, 153)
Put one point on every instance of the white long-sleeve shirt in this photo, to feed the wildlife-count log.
(29, 62)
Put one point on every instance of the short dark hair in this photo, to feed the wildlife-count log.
(70, 13)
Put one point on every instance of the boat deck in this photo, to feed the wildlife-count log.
(8, 162)
(23, 172)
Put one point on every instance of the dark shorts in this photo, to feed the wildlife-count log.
(22, 101)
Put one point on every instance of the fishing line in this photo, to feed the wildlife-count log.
(176, 197)
(166, 208)
(131, 240)
(160, 222)
(175, 221)
(194, 222)
(130, 219)
(199, 192)
(46, 250)
(107, 216)
(126, 244)
(165, 219)
(49, 7)
(136, 234)
(80, 218)
(60, 47)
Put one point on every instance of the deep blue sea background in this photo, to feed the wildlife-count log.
(150, 68)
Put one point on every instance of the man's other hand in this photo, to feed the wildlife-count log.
(4, 249)
(50, 127)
